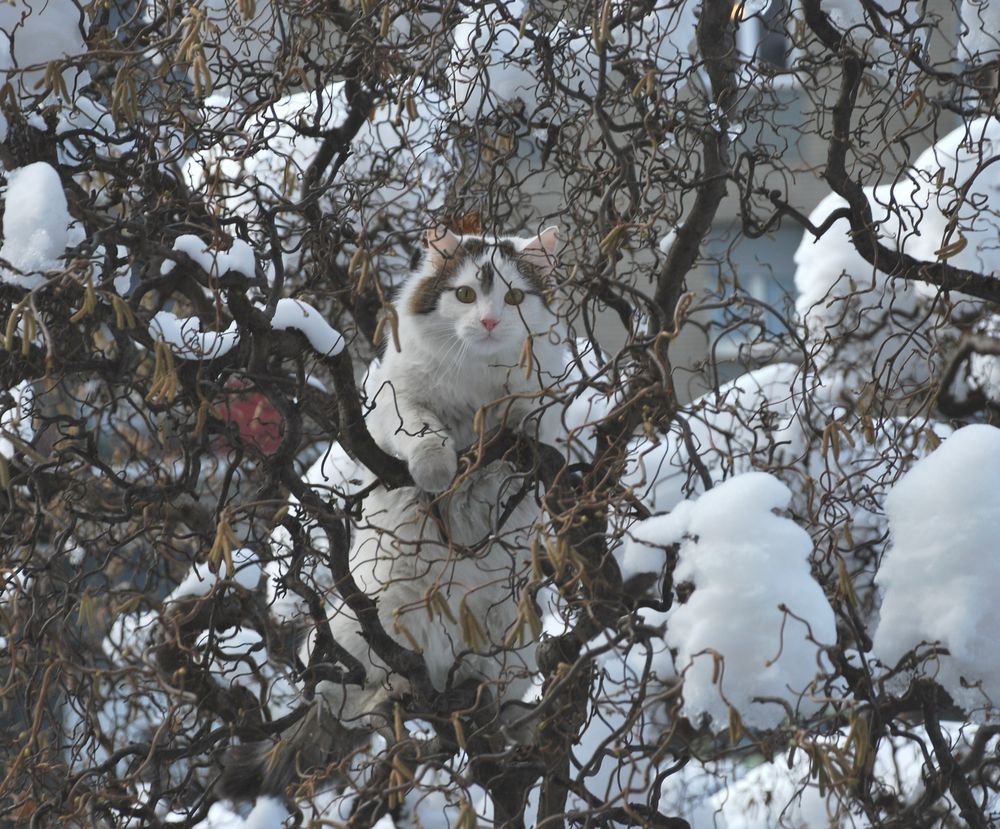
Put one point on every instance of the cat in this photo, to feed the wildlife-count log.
(445, 558)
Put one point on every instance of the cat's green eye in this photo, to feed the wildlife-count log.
(465, 294)
(515, 296)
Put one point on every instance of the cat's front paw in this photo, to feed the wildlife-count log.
(433, 466)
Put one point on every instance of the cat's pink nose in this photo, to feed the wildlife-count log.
(489, 324)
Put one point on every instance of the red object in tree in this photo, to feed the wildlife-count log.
(259, 423)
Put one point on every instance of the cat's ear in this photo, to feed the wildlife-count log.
(540, 251)
(441, 245)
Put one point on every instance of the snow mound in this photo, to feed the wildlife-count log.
(940, 574)
(334, 476)
(735, 644)
(36, 224)
(721, 427)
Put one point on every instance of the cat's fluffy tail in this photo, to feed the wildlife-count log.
(267, 768)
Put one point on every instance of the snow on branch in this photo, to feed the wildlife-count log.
(301, 316)
(36, 224)
(939, 576)
(755, 626)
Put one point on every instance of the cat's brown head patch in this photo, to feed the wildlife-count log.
(429, 290)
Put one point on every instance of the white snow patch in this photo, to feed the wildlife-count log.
(239, 657)
(861, 318)
(745, 562)
(955, 191)
(395, 173)
(239, 258)
(293, 313)
(939, 576)
(36, 223)
(268, 813)
(491, 65)
(667, 242)
(724, 428)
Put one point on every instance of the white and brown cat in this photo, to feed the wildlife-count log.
(435, 555)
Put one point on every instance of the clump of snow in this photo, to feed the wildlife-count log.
(294, 313)
(185, 337)
(767, 796)
(869, 327)
(93, 131)
(220, 816)
(267, 813)
(238, 656)
(820, 262)
(745, 563)
(14, 583)
(239, 258)
(938, 577)
(570, 426)
(32, 36)
(132, 633)
(667, 242)
(956, 192)
(36, 224)
(784, 418)
(785, 792)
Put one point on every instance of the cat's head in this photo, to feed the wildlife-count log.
(481, 294)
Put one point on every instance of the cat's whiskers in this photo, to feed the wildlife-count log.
(455, 340)
(458, 359)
